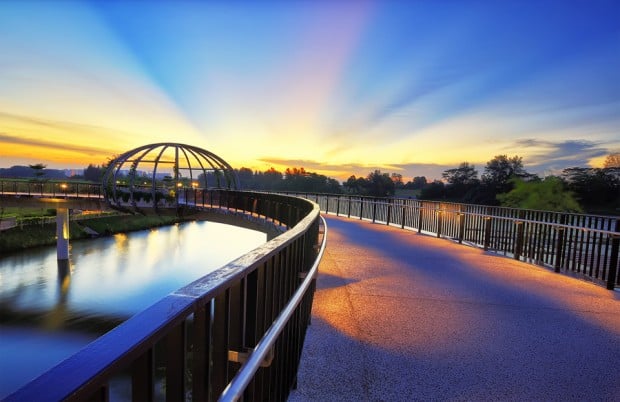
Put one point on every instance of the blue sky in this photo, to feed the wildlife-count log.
(340, 87)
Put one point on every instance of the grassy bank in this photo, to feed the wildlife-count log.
(17, 238)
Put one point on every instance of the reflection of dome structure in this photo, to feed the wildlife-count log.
(157, 175)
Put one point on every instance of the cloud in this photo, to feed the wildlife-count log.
(9, 139)
(59, 135)
(554, 156)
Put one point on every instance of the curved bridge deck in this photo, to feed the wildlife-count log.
(402, 316)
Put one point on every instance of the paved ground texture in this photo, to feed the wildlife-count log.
(400, 316)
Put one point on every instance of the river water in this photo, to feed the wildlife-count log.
(50, 311)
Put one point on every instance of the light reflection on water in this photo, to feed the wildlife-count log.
(108, 279)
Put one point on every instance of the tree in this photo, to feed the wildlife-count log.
(496, 178)
(93, 173)
(462, 182)
(38, 170)
(433, 191)
(397, 178)
(465, 174)
(549, 194)
(418, 183)
(376, 184)
(380, 184)
(356, 185)
(271, 179)
(246, 178)
(598, 190)
(501, 169)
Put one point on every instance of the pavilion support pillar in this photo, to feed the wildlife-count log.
(62, 233)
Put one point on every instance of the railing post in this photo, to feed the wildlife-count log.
(374, 210)
(439, 221)
(487, 232)
(559, 244)
(613, 261)
(200, 353)
(143, 372)
(461, 216)
(349, 208)
(518, 249)
(402, 223)
(175, 363)
(326, 204)
(420, 213)
(338, 206)
(389, 213)
(361, 208)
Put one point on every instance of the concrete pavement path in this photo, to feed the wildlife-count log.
(400, 316)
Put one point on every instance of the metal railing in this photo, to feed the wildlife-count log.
(193, 343)
(587, 246)
(50, 188)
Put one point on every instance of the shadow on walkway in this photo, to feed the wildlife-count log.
(400, 316)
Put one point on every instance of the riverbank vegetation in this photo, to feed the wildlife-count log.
(589, 190)
(26, 236)
(504, 181)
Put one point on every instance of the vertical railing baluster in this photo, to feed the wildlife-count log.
(338, 206)
(560, 244)
(519, 233)
(613, 261)
(175, 363)
(374, 210)
(349, 208)
(487, 232)
(362, 204)
(439, 215)
(201, 352)
(236, 324)
(219, 346)
(461, 218)
(101, 395)
(142, 379)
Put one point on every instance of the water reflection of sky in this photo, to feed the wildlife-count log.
(108, 277)
(125, 273)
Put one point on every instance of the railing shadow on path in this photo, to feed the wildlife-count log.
(421, 318)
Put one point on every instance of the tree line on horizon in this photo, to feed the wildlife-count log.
(504, 181)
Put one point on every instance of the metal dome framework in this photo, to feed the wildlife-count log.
(155, 175)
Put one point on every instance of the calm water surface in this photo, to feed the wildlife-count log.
(48, 312)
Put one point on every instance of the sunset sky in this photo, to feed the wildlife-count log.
(337, 87)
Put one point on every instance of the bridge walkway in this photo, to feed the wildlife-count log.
(401, 316)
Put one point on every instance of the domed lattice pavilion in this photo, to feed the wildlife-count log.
(158, 175)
